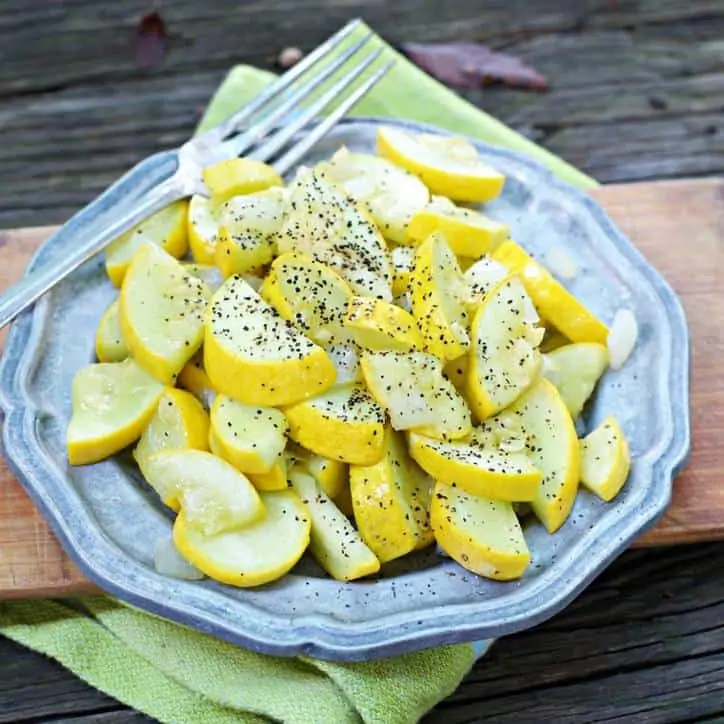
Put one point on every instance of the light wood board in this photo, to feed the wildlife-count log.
(679, 227)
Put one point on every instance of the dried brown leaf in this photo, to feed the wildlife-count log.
(470, 65)
(151, 40)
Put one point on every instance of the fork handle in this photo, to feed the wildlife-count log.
(145, 189)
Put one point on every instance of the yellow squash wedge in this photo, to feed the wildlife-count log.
(248, 228)
(179, 422)
(255, 554)
(448, 166)
(327, 225)
(439, 299)
(161, 312)
(251, 438)
(555, 304)
(403, 261)
(166, 228)
(490, 472)
(412, 389)
(203, 228)
(378, 325)
(391, 195)
(238, 176)
(575, 369)
(482, 535)
(541, 419)
(311, 296)
(391, 500)
(334, 542)
(344, 423)
(254, 356)
(213, 495)
(469, 233)
(105, 418)
(110, 346)
(504, 358)
(482, 277)
(273, 479)
(605, 459)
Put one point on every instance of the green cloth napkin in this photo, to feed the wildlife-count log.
(180, 676)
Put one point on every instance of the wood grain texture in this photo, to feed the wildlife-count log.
(639, 84)
(53, 692)
(679, 227)
(643, 644)
(661, 218)
(29, 553)
(636, 86)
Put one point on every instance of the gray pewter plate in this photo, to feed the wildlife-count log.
(108, 519)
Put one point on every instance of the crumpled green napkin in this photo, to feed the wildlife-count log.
(180, 676)
(409, 93)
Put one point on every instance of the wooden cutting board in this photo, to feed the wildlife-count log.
(679, 227)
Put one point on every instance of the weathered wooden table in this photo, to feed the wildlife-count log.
(638, 92)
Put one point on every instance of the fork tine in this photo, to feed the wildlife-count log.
(268, 150)
(246, 139)
(296, 153)
(223, 129)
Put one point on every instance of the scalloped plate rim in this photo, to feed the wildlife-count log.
(331, 638)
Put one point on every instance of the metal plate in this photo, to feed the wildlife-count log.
(108, 519)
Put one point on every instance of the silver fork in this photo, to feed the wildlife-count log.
(172, 175)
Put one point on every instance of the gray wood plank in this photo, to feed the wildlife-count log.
(120, 716)
(77, 111)
(644, 644)
(683, 692)
(33, 687)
